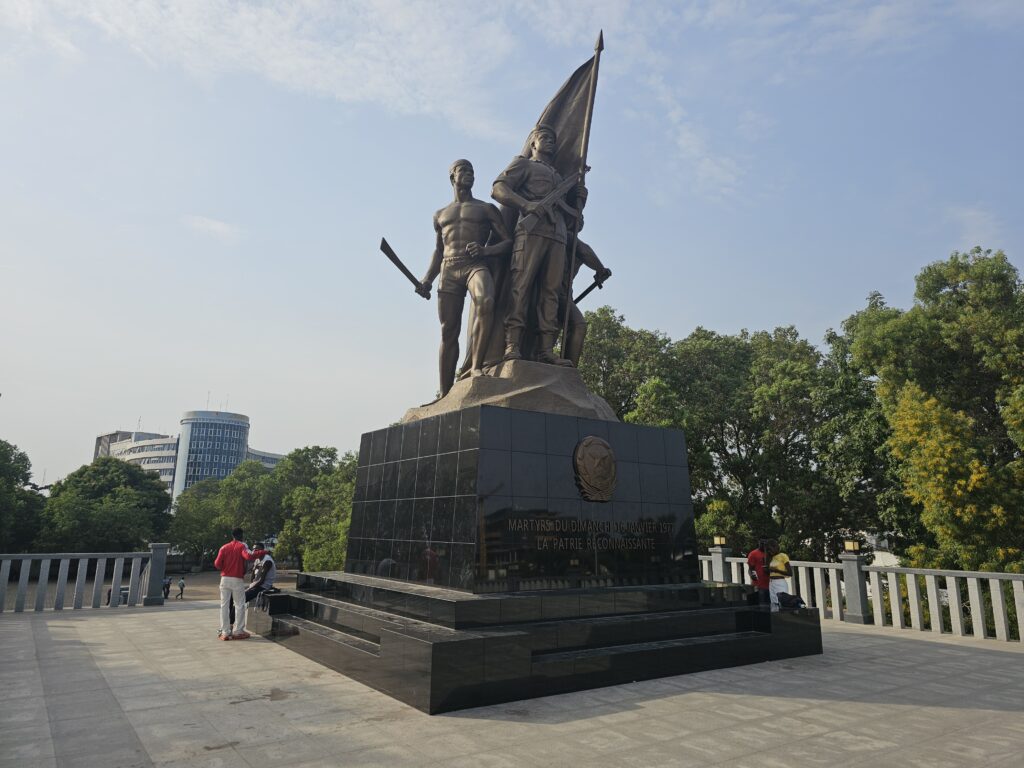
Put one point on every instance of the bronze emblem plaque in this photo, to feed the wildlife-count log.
(594, 461)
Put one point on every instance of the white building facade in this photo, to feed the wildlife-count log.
(211, 445)
(156, 453)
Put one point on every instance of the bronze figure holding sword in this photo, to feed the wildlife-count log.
(463, 227)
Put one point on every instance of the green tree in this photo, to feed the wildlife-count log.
(305, 501)
(318, 511)
(763, 414)
(104, 506)
(744, 404)
(720, 519)
(20, 505)
(617, 359)
(250, 498)
(853, 449)
(199, 527)
(302, 466)
(951, 385)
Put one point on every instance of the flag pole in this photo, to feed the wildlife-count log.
(581, 177)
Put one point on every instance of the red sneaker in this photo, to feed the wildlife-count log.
(241, 636)
(223, 637)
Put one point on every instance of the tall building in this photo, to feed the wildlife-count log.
(211, 444)
(150, 451)
(103, 442)
(269, 460)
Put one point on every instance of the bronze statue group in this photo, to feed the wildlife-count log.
(518, 262)
(513, 263)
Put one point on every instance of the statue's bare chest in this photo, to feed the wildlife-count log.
(463, 216)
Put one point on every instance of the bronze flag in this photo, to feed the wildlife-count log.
(567, 113)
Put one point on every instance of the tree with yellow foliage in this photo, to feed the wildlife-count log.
(950, 378)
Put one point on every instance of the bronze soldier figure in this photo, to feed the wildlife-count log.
(538, 256)
(577, 324)
(585, 255)
(463, 228)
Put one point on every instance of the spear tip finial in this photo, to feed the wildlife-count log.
(599, 45)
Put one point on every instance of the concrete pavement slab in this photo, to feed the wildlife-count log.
(154, 687)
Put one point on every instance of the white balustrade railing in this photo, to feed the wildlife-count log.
(705, 566)
(961, 603)
(145, 579)
(981, 604)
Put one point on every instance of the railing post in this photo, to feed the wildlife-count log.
(719, 568)
(857, 611)
(157, 566)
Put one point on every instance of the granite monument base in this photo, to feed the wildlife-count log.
(439, 650)
(491, 499)
(497, 554)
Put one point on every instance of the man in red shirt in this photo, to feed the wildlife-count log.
(757, 565)
(231, 564)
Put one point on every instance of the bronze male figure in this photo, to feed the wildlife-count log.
(585, 255)
(577, 324)
(463, 228)
(538, 255)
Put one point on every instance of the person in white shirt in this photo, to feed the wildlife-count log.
(263, 575)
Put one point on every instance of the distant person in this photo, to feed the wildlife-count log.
(181, 589)
(779, 571)
(264, 573)
(167, 587)
(757, 566)
(230, 562)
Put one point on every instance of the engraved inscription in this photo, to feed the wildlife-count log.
(599, 535)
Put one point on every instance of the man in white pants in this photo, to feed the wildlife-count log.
(231, 564)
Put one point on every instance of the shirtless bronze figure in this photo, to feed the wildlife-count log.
(463, 228)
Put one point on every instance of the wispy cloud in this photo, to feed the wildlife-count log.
(36, 21)
(215, 228)
(975, 225)
(861, 28)
(415, 56)
(996, 13)
(717, 175)
(409, 56)
(753, 125)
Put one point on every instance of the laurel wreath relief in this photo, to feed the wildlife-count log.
(594, 461)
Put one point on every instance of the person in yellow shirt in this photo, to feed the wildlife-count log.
(779, 570)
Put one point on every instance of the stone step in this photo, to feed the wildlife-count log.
(361, 620)
(566, 634)
(462, 610)
(288, 624)
(554, 657)
(436, 668)
(611, 665)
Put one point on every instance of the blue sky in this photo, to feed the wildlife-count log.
(193, 193)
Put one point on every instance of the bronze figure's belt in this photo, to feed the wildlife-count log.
(460, 259)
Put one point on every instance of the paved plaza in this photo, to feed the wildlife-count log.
(153, 686)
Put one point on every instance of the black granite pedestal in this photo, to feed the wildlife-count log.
(488, 562)
(486, 499)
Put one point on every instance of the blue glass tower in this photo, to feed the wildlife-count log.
(211, 445)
